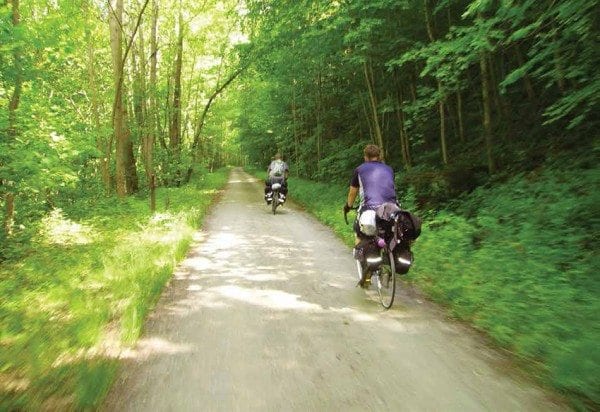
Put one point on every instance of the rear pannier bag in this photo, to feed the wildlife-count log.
(410, 224)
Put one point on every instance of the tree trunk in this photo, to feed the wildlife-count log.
(151, 122)
(13, 105)
(487, 108)
(144, 120)
(560, 73)
(102, 143)
(459, 111)
(528, 85)
(155, 129)
(404, 143)
(175, 126)
(442, 113)
(441, 109)
(202, 118)
(368, 119)
(15, 98)
(319, 122)
(295, 127)
(373, 101)
(124, 147)
(413, 83)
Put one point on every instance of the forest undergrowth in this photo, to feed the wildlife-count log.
(94, 271)
(517, 260)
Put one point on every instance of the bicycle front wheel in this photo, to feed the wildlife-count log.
(386, 282)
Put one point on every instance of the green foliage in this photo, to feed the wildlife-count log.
(518, 260)
(89, 280)
(309, 88)
(522, 268)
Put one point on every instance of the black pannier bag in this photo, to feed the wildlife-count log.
(410, 224)
(410, 227)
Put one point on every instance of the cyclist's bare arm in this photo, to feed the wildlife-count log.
(352, 193)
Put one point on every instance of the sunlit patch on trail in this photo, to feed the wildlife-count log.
(154, 346)
(269, 298)
(237, 181)
(194, 287)
(258, 277)
(197, 263)
(355, 315)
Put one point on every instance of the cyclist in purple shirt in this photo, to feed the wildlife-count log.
(374, 182)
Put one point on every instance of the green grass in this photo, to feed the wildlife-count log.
(519, 261)
(95, 270)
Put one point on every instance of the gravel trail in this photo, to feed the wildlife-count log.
(264, 315)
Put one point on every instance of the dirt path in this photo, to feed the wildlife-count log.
(264, 315)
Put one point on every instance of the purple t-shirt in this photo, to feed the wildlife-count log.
(376, 183)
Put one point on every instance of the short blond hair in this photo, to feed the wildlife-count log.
(372, 152)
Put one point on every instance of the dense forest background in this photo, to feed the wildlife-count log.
(114, 98)
(108, 98)
(486, 109)
(456, 92)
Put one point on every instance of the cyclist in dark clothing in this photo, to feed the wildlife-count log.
(277, 172)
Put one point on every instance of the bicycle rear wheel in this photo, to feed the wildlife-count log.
(386, 282)
(275, 201)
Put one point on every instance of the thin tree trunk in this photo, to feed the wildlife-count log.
(119, 119)
(200, 123)
(368, 118)
(175, 126)
(459, 111)
(493, 89)
(459, 103)
(413, 83)
(295, 127)
(404, 144)
(487, 109)
(319, 125)
(13, 105)
(501, 102)
(528, 85)
(442, 113)
(560, 73)
(15, 98)
(441, 109)
(147, 119)
(373, 100)
(126, 173)
(139, 100)
(102, 144)
(155, 128)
